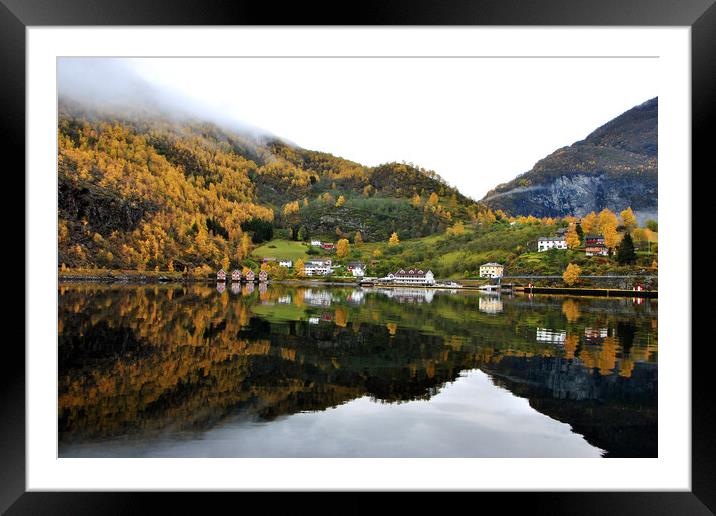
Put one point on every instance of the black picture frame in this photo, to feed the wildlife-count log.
(17, 15)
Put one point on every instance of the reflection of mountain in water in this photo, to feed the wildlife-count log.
(142, 360)
(614, 413)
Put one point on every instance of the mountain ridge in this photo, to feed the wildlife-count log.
(614, 167)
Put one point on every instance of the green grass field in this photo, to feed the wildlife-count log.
(282, 249)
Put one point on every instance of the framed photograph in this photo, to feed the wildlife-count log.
(269, 251)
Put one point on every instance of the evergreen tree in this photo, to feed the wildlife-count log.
(580, 232)
(625, 251)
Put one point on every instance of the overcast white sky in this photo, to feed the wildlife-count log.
(477, 122)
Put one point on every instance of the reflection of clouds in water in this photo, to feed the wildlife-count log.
(470, 417)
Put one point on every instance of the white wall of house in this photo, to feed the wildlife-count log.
(317, 270)
(491, 271)
(546, 245)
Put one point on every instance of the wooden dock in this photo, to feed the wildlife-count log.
(603, 292)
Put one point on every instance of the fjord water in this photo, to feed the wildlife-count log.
(317, 371)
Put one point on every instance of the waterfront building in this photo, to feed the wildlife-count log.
(491, 270)
(411, 277)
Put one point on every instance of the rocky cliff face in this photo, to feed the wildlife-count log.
(614, 167)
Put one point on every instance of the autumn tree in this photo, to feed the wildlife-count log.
(394, 240)
(357, 238)
(607, 223)
(170, 266)
(341, 201)
(225, 263)
(589, 223)
(342, 248)
(416, 201)
(299, 268)
(572, 238)
(457, 229)
(433, 199)
(571, 274)
(245, 246)
(628, 219)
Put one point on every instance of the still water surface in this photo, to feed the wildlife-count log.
(279, 371)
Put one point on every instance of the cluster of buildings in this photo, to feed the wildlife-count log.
(239, 277)
(321, 266)
(593, 244)
(282, 263)
(329, 246)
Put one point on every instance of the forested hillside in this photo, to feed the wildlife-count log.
(145, 190)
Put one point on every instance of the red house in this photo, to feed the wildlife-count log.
(236, 275)
(221, 275)
(594, 246)
(263, 277)
(249, 276)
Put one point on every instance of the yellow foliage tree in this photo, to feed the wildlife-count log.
(433, 199)
(417, 201)
(170, 266)
(341, 201)
(457, 229)
(589, 223)
(628, 219)
(357, 238)
(394, 240)
(245, 246)
(342, 248)
(299, 267)
(571, 274)
(572, 238)
(290, 208)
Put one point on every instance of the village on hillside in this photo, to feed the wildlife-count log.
(609, 243)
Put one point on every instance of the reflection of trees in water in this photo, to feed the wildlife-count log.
(142, 359)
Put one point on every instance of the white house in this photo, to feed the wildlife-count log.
(316, 243)
(357, 269)
(411, 277)
(286, 263)
(317, 268)
(491, 270)
(547, 243)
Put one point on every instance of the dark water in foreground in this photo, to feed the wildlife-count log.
(174, 371)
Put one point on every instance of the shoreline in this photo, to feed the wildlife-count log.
(159, 278)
